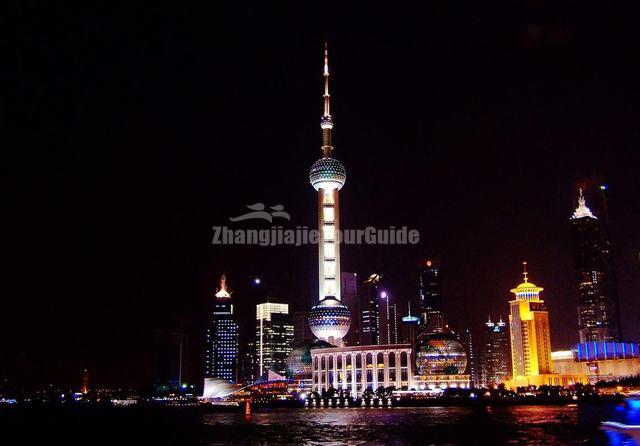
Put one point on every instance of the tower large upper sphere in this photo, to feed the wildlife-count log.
(328, 174)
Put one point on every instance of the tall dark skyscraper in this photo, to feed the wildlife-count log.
(247, 362)
(221, 350)
(370, 310)
(429, 291)
(170, 358)
(495, 355)
(464, 337)
(598, 317)
(349, 290)
(411, 326)
(301, 329)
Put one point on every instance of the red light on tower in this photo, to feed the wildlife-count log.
(85, 382)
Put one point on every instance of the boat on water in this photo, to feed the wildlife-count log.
(626, 433)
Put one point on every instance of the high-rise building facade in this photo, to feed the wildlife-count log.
(301, 329)
(388, 319)
(465, 338)
(429, 291)
(494, 361)
(370, 310)
(248, 367)
(598, 315)
(349, 292)
(410, 326)
(330, 319)
(221, 346)
(274, 337)
(170, 359)
(530, 336)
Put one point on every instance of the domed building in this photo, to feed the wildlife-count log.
(441, 354)
(299, 360)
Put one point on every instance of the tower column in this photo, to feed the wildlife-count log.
(329, 319)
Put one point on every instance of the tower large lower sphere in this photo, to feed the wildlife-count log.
(330, 320)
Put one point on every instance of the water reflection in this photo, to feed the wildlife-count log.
(536, 425)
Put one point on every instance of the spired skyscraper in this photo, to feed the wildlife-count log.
(330, 319)
(221, 350)
(598, 315)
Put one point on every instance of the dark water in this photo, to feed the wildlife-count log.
(159, 426)
(526, 425)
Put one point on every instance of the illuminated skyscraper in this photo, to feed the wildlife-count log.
(221, 349)
(530, 336)
(494, 361)
(330, 319)
(274, 337)
(465, 338)
(370, 310)
(598, 316)
(429, 291)
(388, 319)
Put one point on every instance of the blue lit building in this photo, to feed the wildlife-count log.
(599, 360)
(599, 351)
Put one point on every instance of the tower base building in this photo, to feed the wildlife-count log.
(360, 368)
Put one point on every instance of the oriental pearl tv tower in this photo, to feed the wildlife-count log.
(330, 319)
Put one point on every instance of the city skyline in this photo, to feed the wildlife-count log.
(151, 160)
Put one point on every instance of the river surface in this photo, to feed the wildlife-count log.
(518, 425)
(159, 426)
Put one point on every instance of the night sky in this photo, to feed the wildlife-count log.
(138, 128)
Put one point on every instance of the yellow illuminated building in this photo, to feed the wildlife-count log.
(531, 340)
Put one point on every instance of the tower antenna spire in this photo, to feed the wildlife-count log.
(325, 74)
(525, 274)
(327, 121)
